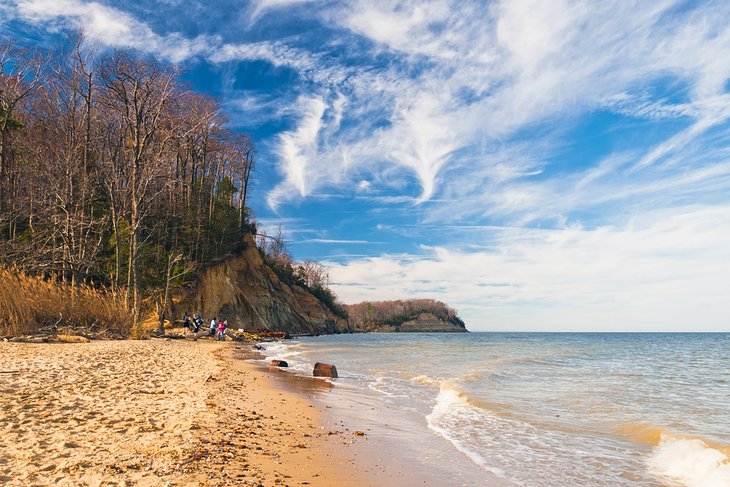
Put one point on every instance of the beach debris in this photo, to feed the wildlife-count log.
(358, 433)
(30, 339)
(324, 370)
(278, 363)
(73, 339)
(170, 336)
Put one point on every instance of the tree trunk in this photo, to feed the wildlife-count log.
(2, 169)
(117, 248)
(137, 282)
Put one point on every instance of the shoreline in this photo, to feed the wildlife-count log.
(162, 412)
(400, 447)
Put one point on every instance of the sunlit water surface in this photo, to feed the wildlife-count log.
(549, 409)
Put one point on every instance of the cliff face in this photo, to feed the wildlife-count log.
(426, 322)
(245, 291)
(415, 315)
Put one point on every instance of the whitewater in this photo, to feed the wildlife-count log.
(538, 409)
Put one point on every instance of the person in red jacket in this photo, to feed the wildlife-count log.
(222, 325)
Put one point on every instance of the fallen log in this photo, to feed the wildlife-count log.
(29, 340)
(171, 336)
(72, 339)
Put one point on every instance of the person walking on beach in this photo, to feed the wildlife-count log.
(186, 321)
(197, 322)
(213, 326)
(222, 330)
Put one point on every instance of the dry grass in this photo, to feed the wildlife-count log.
(28, 304)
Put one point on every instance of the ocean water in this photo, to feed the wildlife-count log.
(532, 409)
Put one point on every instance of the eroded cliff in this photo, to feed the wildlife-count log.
(245, 291)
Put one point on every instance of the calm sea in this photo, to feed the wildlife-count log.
(533, 409)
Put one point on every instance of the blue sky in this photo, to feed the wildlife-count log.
(538, 165)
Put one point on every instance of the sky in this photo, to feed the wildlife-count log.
(537, 165)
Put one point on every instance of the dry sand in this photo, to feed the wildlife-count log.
(157, 412)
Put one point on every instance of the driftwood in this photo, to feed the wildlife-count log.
(29, 340)
(9, 372)
(235, 336)
(72, 339)
(171, 336)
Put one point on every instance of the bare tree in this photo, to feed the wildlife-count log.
(242, 165)
(139, 92)
(19, 78)
(313, 274)
(176, 267)
(66, 101)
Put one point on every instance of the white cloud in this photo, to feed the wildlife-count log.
(115, 28)
(112, 27)
(336, 241)
(664, 271)
(260, 7)
(298, 149)
(522, 62)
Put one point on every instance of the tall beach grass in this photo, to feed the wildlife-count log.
(29, 304)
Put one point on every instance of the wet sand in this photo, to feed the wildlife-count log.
(161, 412)
(397, 449)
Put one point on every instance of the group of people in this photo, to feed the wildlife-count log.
(193, 324)
(217, 328)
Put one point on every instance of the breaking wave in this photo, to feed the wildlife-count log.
(689, 462)
(451, 415)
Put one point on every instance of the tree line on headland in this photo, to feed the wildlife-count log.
(380, 315)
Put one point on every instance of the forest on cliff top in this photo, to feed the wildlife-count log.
(115, 175)
(370, 315)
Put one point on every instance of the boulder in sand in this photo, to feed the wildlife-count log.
(278, 363)
(324, 370)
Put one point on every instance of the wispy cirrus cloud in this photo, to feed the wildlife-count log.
(297, 148)
(338, 241)
(462, 85)
(260, 7)
(112, 27)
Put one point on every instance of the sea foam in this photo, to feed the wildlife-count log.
(452, 410)
(690, 462)
(426, 380)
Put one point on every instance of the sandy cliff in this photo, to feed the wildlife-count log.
(246, 292)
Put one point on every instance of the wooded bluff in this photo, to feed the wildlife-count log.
(120, 183)
(410, 315)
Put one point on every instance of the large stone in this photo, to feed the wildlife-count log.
(324, 370)
(278, 363)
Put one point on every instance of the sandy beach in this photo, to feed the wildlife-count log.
(159, 412)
